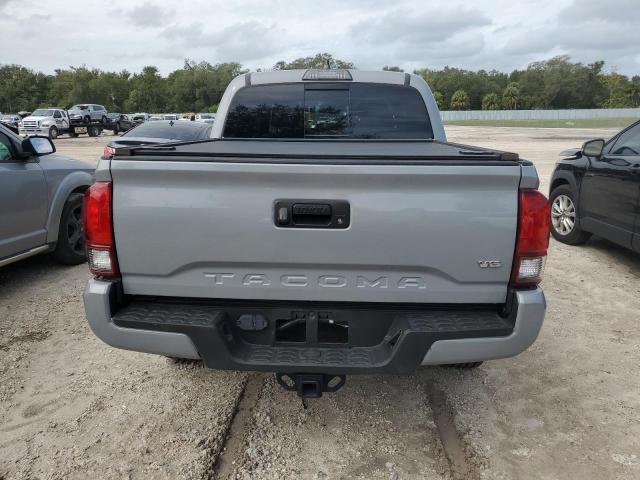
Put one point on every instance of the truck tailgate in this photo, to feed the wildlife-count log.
(425, 233)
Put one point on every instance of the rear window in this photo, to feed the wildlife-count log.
(185, 131)
(357, 110)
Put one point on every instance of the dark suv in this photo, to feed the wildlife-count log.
(596, 190)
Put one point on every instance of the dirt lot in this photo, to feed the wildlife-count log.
(569, 407)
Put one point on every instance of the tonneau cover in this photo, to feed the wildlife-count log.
(305, 149)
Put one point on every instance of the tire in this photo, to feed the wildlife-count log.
(93, 131)
(463, 366)
(565, 225)
(70, 248)
(116, 129)
(53, 133)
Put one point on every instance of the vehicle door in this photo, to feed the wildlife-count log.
(23, 201)
(610, 189)
(60, 120)
(125, 123)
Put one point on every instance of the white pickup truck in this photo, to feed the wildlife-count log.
(54, 121)
(326, 228)
(49, 122)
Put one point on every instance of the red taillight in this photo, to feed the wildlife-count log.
(109, 151)
(533, 238)
(98, 228)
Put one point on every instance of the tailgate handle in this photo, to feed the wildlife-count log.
(312, 214)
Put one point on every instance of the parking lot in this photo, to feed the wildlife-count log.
(569, 407)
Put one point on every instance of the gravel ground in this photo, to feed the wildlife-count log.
(71, 407)
(569, 407)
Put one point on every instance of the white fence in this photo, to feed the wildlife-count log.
(540, 114)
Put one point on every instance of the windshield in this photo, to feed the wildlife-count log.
(8, 118)
(42, 113)
(80, 107)
(186, 131)
(325, 110)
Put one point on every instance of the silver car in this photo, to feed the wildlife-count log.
(88, 112)
(40, 200)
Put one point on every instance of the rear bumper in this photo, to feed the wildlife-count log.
(408, 339)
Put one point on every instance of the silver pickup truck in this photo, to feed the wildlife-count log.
(326, 228)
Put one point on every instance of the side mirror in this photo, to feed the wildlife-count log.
(38, 145)
(593, 148)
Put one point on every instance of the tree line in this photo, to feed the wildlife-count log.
(198, 86)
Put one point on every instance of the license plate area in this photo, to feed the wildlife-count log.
(313, 327)
(309, 327)
(80, 129)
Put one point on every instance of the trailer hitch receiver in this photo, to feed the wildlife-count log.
(310, 385)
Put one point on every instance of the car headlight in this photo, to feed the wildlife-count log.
(45, 124)
(20, 124)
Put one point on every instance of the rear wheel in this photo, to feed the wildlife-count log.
(93, 131)
(53, 133)
(116, 128)
(565, 225)
(70, 249)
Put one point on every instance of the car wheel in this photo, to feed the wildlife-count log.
(53, 133)
(565, 226)
(116, 128)
(70, 249)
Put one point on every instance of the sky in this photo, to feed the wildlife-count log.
(490, 34)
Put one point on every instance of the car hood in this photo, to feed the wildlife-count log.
(62, 165)
(570, 152)
(34, 118)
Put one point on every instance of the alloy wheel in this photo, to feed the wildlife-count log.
(563, 215)
(75, 230)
